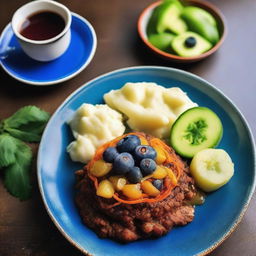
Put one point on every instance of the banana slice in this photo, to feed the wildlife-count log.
(211, 169)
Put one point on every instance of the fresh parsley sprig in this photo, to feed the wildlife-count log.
(26, 125)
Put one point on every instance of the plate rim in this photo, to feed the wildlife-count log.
(152, 67)
(60, 80)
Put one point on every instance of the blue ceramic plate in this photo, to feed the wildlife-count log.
(78, 55)
(214, 220)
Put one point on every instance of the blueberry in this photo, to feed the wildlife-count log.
(123, 163)
(190, 42)
(144, 151)
(110, 154)
(134, 175)
(147, 166)
(158, 184)
(128, 143)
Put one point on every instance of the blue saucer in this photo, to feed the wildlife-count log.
(79, 54)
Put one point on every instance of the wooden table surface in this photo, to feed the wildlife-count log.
(25, 227)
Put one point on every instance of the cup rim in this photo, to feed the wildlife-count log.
(47, 41)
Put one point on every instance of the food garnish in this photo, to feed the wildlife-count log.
(105, 189)
(196, 129)
(133, 167)
(26, 125)
(128, 143)
(211, 169)
(135, 175)
(122, 163)
(118, 182)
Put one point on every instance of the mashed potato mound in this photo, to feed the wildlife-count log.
(149, 107)
(92, 126)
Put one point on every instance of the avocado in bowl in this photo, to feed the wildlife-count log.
(182, 31)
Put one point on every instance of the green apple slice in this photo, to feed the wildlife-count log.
(211, 169)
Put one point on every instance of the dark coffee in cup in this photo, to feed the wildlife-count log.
(42, 25)
(42, 28)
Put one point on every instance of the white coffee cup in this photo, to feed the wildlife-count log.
(43, 50)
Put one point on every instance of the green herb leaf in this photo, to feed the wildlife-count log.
(27, 123)
(8, 148)
(17, 179)
(23, 135)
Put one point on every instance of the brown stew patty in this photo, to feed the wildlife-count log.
(130, 222)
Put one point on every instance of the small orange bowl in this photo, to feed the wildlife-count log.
(146, 14)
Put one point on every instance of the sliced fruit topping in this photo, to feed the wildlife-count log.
(149, 188)
(211, 169)
(143, 141)
(110, 154)
(160, 172)
(144, 151)
(195, 129)
(160, 155)
(132, 169)
(134, 175)
(105, 189)
(100, 168)
(128, 143)
(147, 166)
(132, 191)
(171, 175)
(123, 162)
(118, 182)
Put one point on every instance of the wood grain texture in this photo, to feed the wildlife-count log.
(25, 227)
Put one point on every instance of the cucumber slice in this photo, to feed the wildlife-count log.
(211, 169)
(194, 130)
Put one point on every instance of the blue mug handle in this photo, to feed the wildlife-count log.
(4, 48)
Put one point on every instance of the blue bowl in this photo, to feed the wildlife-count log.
(213, 221)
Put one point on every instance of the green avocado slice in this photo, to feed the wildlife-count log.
(162, 41)
(179, 46)
(201, 22)
(166, 17)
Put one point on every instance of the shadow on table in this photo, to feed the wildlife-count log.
(16, 88)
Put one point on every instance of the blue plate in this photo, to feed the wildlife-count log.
(214, 220)
(79, 54)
